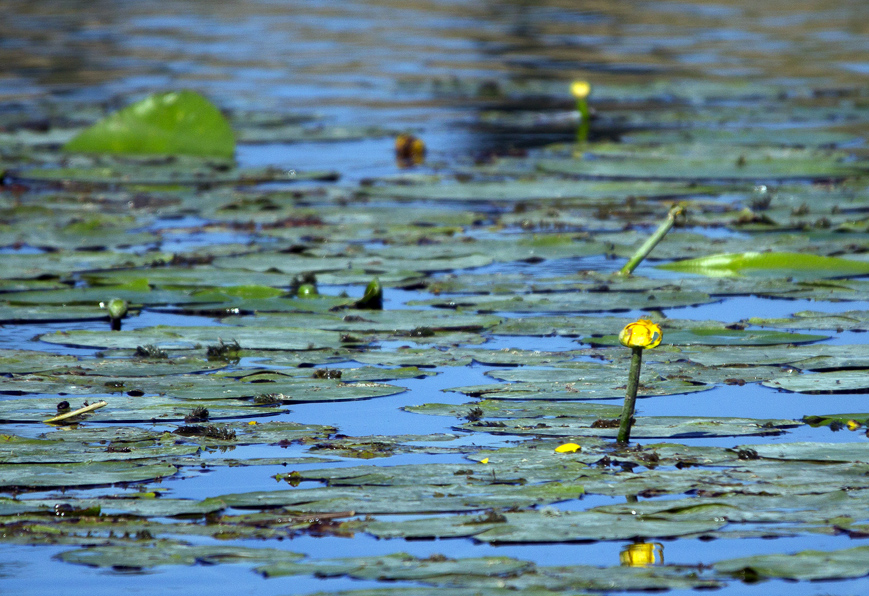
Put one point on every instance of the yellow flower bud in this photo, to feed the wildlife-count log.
(409, 150)
(642, 554)
(641, 334)
(580, 89)
(568, 448)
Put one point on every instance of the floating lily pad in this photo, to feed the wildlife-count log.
(177, 122)
(703, 162)
(80, 474)
(570, 302)
(722, 337)
(797, 265)
(586, 525)
(831, 382)
(803, 565)
(815, 452)
(185, 338)
(525, 190)
(644, 427)
(399, 566)
(144, 408)
(143, 556)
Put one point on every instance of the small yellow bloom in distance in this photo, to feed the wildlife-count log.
(852, 425)
(641, 334)
(580, 89)
(485, 460)
(568, 448)
(252, 423)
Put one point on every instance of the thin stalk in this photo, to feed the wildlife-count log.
(653, 240)
(584, 120)
(630, 396)
(84, 410)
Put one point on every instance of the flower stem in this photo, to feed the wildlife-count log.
(630, 396)
(653, 240)
(584, 120)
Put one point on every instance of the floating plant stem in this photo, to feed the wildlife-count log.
(653, 240)
(580, 90)
(84, 410)
(638, 336)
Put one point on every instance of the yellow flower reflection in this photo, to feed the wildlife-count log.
(641, 334)
(642, 554)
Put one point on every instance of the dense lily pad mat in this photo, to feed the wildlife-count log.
(246, 353)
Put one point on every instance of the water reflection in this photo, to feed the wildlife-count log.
(642, 554)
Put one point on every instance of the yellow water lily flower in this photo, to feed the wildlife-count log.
(852, 425)
(485, 460)
(641, 334)
(642, 554)
(580, 89)
(568, 448)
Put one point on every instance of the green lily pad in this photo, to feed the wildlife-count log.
(703, 162)
(846, 381)
(185, 338)
(797, 265)
(815, 452)
(570, 302)
(398, 566)
(530, 190)
(143, 408)
(81, 474)
(587, 525)
(852, 320)
(803, 565)
(721, 337)
(644, 427)
(838, 421)
(804, 357)
(177, 122)
(143, 556)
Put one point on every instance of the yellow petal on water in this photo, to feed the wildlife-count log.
(568, 448)
(641, 334)
(485, 460)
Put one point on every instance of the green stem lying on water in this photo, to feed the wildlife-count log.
(653, 240)
(627, 418)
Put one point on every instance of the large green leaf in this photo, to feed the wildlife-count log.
(770, 264)
(172, 123)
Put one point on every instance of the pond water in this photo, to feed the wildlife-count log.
(755, 115)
